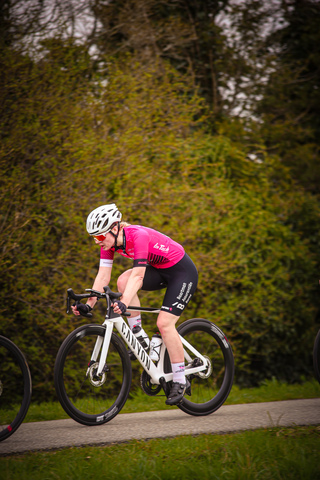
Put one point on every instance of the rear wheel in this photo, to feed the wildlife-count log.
(87, 398)
(15, 387)
(316, 357)
(211, 387)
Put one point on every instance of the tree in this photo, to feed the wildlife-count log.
(290, 108)
(72, 141)
(183, 32)
(77, 132)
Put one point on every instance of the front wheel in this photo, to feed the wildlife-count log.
(87, 398)
(211, 387)
(316, 357)
(15, 387)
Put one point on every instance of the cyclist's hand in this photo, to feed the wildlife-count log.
(119, 307)
(81, 309)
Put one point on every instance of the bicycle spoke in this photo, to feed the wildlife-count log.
(87, 397)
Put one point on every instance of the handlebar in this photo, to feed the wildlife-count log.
(108, 294)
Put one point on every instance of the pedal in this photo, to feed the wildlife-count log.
(165, 386)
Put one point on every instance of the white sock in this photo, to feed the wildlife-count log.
(178, 372)
(133, 322)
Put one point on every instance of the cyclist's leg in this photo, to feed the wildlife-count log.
(166, 324)
(153, 280)
(182, 281)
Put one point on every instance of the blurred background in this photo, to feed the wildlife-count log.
(199, 119)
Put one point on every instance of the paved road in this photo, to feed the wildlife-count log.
(167, 423)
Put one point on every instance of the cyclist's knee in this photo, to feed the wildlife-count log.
(122, 280)
(166, 322)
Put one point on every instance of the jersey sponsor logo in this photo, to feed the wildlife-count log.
(166, 308)
(182, 291)
(178, 305)
(187, 292)
(140, 262)
(161, 248)
(104, 262)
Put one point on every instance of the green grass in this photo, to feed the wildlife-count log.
(275, 454)
(268, 392)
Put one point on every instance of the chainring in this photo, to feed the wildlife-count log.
(149, 388)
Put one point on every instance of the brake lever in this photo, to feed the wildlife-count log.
(68, 304)
(86, 315)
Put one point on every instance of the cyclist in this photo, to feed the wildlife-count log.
(158, 262)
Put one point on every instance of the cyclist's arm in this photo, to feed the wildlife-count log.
(102, 280)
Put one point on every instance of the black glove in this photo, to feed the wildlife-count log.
(84, 308)
(122, 306)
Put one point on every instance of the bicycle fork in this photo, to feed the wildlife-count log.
(105, 343)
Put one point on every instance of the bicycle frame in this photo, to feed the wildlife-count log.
(156, 372)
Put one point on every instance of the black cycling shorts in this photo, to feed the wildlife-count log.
(180, 280)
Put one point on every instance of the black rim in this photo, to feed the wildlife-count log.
(16, 387)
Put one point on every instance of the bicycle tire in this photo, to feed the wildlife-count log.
(207, 394)
(316, 357)
(84, 397)
(15, 388)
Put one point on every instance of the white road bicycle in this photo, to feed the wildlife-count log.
(93, 370)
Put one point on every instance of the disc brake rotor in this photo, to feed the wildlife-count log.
(95, 380)
(206, 373)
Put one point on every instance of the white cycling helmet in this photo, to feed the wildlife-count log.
(102, 219)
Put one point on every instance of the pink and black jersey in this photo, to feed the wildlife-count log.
(146, 247)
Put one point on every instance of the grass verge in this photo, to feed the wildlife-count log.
(286, 453)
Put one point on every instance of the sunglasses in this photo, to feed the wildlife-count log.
(100, 238)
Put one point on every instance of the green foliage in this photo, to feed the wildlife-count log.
(75, 135)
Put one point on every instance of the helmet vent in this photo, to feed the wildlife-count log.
(103, 218)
